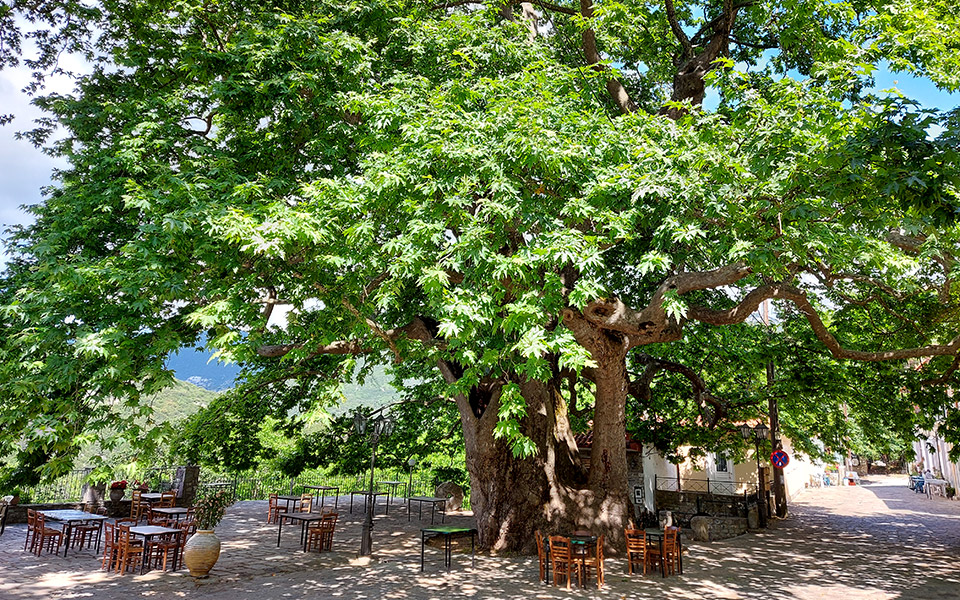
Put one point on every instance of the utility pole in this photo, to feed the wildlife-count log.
(779, 489)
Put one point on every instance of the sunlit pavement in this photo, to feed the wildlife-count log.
(879, 541)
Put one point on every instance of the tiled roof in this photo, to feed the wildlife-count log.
(585, 441)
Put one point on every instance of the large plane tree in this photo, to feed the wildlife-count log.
(525, 199)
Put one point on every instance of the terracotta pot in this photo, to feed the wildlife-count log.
(116, 495)
(201, 552)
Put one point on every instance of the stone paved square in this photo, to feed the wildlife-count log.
(879, 541)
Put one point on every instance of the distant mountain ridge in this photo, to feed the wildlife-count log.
(197, 367)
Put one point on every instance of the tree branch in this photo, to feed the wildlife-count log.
(678, 31)
(415, 330)
(783, 291)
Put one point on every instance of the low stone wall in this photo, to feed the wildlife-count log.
(711, 529)
(18, 513)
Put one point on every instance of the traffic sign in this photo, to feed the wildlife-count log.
(780, 459)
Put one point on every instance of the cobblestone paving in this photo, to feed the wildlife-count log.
(879, 542)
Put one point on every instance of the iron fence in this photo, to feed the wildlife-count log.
(69, 487)
(702, 486)
(258, 485)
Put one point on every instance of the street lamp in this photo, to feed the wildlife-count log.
(376, 427)
(757, 434)
(410, 463)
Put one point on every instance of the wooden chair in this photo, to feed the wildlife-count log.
(168, 499)
(130, 551)
(4, 507)
(306, 503)
(84, 533)
(593, 561)
(110, 548)
(664, 551)
(156, 518)
(543, 555)
(46, 536)
(321, 536)
(161, 549)
(673, 548)
(274, 509)
(137, 505)
(31, 540)
(636, 549)
(564, 563)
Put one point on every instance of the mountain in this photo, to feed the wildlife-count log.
(201, 369)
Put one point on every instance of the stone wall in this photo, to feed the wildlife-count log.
(18, 513)
(711, 529)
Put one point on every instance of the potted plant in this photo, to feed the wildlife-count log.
(951, 491)
(117, 490)
(203, 549)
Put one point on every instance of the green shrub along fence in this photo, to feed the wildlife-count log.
(255, 484)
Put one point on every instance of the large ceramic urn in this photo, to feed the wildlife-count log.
(116, 495)
(201, 552)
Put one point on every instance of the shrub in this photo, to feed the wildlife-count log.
(211, 510)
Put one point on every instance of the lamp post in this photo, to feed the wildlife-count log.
(410, 463)
(379, 426)
(757, 434)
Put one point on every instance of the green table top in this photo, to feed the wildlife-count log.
(447, 529)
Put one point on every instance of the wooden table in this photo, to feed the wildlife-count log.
(148, 532)
(70, 517)
(304, 519)
(323, 489)
(433, 502)
(448, 534)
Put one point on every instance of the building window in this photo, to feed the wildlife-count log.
(721, 463)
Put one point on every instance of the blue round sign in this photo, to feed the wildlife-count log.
(780, 459)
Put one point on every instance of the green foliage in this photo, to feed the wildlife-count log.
(211, 509)
(366, 163)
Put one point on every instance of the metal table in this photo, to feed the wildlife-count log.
(175, 512)
(147, 532)
(392, 491)
(433, 502)
(151, 497)
(304, 519)
(323, 489)
(71, 517)
(367, 498)
(448, 534)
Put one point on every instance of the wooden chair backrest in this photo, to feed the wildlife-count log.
(272, 499)
(560, 548)
(109, 534)
(540, 551)
(168, 499)
(31, 518)
(306, 503)
(329, 520)
(636, 540)
(670, 538)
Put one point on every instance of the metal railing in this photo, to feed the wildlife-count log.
(69, 487)
(701, 486)
(257, 485)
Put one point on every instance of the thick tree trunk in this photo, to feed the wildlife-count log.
(512, 497)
